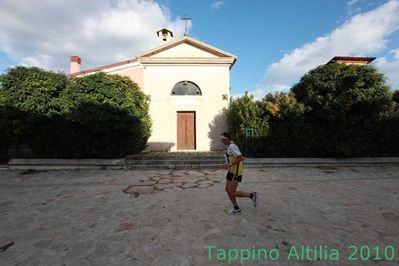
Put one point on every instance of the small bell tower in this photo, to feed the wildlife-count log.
(164, 35)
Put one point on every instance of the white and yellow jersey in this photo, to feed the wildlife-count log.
(231, 156)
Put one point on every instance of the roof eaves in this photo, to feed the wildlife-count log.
(351, 58)
(93, 70)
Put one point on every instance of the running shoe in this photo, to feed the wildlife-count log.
(234, 211)
(255, 199)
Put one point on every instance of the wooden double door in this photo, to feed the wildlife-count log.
(186, 130)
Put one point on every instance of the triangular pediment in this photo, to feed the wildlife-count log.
(186, 48)
(185, 51)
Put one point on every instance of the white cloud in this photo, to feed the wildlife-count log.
(352, 7)
(351, 3)
(362, 35)
(45, 33)
(217, 5)
(258, 93)
(390, 68)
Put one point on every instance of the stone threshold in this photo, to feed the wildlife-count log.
(206, 163)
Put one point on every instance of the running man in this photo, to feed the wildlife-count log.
(234, 162)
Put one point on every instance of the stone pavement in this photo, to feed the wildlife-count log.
(169, 217)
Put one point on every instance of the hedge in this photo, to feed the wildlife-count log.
(45, 115)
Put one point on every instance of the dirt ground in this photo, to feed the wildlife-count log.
(345, 215)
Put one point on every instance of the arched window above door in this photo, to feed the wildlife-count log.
(186, 88)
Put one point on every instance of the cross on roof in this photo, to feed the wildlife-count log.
(185, 19)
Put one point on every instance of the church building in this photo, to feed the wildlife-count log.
(187, 84)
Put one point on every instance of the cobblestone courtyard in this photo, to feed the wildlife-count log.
(164, 217)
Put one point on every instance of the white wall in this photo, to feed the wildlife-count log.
(213, 82)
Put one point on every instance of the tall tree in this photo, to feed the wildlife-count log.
(332, 91)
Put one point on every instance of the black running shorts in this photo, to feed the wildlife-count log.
(233, 177)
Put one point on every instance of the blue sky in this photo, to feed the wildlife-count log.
(276, 42)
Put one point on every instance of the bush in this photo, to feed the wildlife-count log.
(349, 100)
(334, 91)
(96, 116)
(29, 99)
(109, 111)
(335, 110)
(244, 113)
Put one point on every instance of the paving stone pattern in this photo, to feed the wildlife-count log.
(173, 179)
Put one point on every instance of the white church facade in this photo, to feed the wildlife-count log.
(187, 84)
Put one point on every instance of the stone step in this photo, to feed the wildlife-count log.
(169, 161)
(174, 160)
(172, 166)
(175, 155)
(215, 157)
